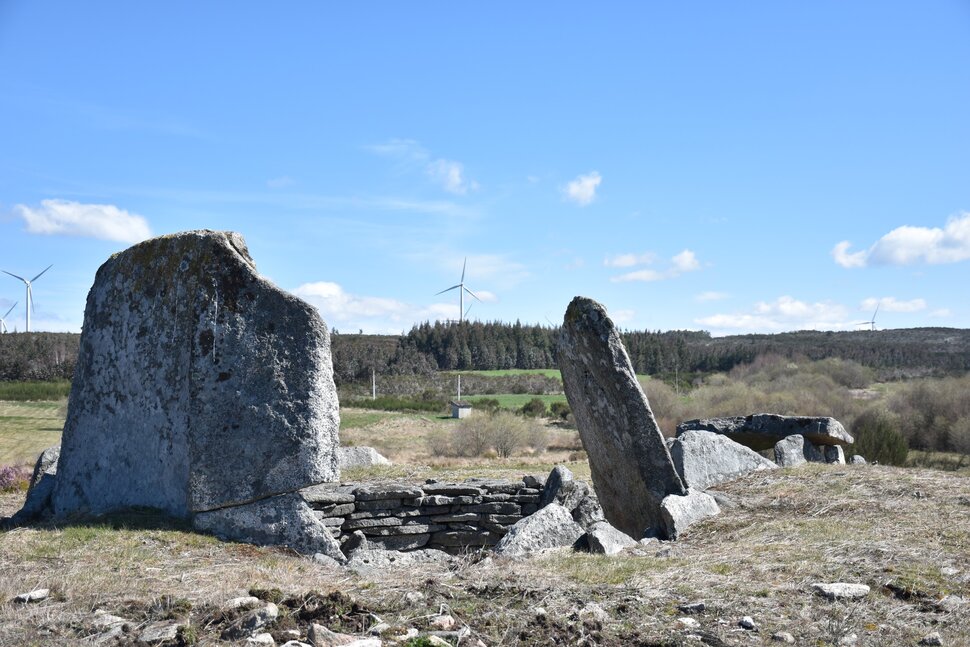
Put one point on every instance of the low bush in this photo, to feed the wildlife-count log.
(560, 410)
(391, 403)
(534, 408)
(878, 439)
(501, 432)
(13, 479)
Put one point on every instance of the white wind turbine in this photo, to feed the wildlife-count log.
(461, 293)
(872, 322)
(3, 323)
(30, 294)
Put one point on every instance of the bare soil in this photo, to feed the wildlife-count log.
(903, 532)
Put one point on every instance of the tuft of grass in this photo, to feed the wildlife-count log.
(34, 391)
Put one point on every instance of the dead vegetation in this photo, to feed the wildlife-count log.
(905, 533)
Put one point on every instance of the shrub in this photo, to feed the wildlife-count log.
(13, 479)
(560, 410)
(501, 432)
(877, 437)
(534, 408)
(439, 443)
(487, 404)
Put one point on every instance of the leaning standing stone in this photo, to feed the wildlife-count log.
(630, 465)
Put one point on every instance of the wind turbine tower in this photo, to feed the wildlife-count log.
(871, 323)
(30, 294)
(461, 293)
(3, 323)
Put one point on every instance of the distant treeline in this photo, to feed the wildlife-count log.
(674, 355)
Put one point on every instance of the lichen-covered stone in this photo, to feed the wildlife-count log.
(550, 527)
(40, 487)
(794, 450)
(680, 512)
(629, 461)
(704, 459)
(353, 457)
(761, 431)
(199, 384)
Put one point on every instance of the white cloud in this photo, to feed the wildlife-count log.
(582, 190)
(891, 304)
(685, 261)
(711, 296)
(941, 313)
(785, 313)
(908, 245)
(450, 175)
(104, 221)
(629, 260)
(280, 182)
(351, 312)
(622, 316)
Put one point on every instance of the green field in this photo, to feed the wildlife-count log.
(505, 372)
(27, 429)
(516, 400)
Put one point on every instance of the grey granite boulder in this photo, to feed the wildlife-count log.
(704, 459)
(630, 465)
(559, 476)
(604, 539)
(795, 450)
(834, 454)
(857, 460)
(681, 512)
(550, 527)
(40, 487)
(353, 457)
(199, 384)
(284, 520)
(762, 430)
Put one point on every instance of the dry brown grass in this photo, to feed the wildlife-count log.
(893, 529)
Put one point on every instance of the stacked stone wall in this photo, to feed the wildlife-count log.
(452, 517)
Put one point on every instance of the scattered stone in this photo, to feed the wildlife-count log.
(951, 603)
(678, 513)
(704, 459)
(834, 454)
(723, 501)
(594, 612)
(379, 558)
(442, 623)
(849, 641)
(949, 571)
(326, 560)
(783, 637)
(40, 487)
(285, 520)
(226, 399)
(246, 601)
(104, 620)
(320, 636)
(856, 459)
(550, 527)
(693, 607)
(841, 590)
(295, 643)
(533, 481)
(588, 512)
(747, 623)
(630, 464)
(687, 624)
(37, 595)
(604, 539)
(795, 450)
(351, 457)
(437, 641)
(559, 475)
(250, 623)
(162, 631)
(260, 640)
(932, 639)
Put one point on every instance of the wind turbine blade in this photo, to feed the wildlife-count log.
(30, 298)
(471, 293)
(468, 309)
(42, 273)
(877, 310)
(14, 275)
(10, 310)
(448, 289)
(463, 269)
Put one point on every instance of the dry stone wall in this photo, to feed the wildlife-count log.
(448, 516)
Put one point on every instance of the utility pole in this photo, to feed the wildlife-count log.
(373, 384)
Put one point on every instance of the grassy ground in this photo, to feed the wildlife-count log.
(27, 429)
(903, 532)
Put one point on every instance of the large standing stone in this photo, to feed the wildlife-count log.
(704, 459)
(199, 385)
(630, 465)
(762, 430)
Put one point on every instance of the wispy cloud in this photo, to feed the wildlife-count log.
(892, 304)
(582, 190)
(280, 182)
(711, 296)
(784, 313)
(64, 217)
(685, 261)
(449, 174)
(909, 245)
(351, 312)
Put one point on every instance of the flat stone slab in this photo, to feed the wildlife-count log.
(841, 590)
(761, 431)
(631, 467)
(383, 491)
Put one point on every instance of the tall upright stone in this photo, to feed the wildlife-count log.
(199, 385)
(631, 466)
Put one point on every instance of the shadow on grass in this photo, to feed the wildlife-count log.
(138, 518)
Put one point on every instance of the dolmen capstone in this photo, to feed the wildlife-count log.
(635, 480)
(201, 390)
(762, 431)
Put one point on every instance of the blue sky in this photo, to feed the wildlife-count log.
(732, 167)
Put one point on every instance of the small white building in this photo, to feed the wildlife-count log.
(460, 409)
